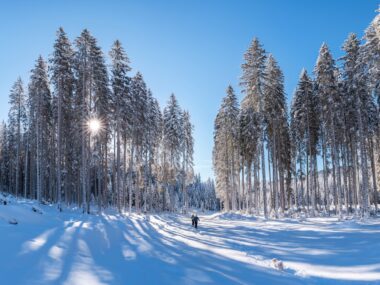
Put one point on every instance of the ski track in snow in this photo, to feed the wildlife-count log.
(71, 248)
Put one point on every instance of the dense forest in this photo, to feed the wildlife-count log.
(322, 155)
(87, 133)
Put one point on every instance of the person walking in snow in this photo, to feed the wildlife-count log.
(192, 220)
(196, 220)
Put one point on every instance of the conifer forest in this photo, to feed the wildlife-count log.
(83, 133)
(318, 155)
(189, 142)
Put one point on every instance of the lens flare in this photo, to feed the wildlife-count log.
(94, 125)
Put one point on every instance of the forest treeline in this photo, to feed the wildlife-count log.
(87, 133)
(322, 155)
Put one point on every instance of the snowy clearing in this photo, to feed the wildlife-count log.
(47, 247)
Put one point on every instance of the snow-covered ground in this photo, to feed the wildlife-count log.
(71, 248)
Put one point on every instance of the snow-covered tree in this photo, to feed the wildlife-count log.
(16, 128)
(4, 158)
(92, 99)
(139, 113)
(253, 82)
(187, 154)
(249, 135)
(62, 77)
(359, 107)
(41, 121)
(305, 122)
(275, 111)
(120, 91)
(172, 138)
(226, 151)
(330, 103)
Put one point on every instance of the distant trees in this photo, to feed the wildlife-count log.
(201, 194)
(324, 156)
(87, 134)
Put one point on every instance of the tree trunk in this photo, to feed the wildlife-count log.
(373, 167)
(59, 149)
(325, 176)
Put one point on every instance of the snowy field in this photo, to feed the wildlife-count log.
(70, 248)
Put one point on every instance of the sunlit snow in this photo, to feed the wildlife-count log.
(71, 248)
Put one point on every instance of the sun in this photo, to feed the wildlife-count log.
(94, 125)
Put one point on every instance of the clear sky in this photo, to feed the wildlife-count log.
(191, 48)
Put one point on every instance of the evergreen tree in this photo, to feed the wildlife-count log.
(139, 115)
(371, 54)
(62, 77)
(40, 102)
(187, 154)
(226, 150)
(16, 127)
(326, 86)
(4, 158)
(276, 120)
(172, 132)
(305, 123)
(253, 82)
(361, 107)
(120, 89)
(249, 136)
(91, 102)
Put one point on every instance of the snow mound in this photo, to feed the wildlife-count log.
(13, 221)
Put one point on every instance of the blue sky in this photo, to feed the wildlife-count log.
(191, 48)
